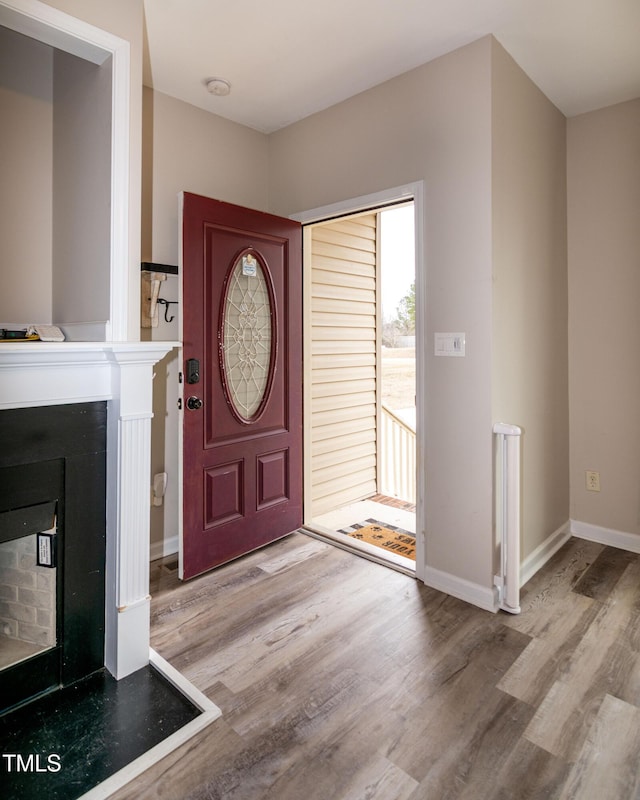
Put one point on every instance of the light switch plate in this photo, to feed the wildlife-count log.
(449, 344)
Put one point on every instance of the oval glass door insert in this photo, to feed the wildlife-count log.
(247, 337)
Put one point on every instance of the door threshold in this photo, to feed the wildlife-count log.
(372, 553)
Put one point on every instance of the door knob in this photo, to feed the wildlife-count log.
(194, 403)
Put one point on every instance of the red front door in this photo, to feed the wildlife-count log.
(242, 374)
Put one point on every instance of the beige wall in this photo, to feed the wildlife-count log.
(186, 149)
(431, 124)
(81, 242)
(530, 304)
(195, 151)
(604, 317)
(26, 111)
(123, 18)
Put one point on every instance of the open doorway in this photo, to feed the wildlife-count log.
(360, 379)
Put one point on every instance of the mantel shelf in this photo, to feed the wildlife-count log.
(41, 373)
(50, 353)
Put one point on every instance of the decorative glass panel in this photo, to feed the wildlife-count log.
(247, 328)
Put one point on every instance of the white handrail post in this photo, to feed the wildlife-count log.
(508, 491)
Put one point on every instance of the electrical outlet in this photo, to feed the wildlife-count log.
(593, 480)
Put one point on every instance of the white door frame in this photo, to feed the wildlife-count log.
(406, 192)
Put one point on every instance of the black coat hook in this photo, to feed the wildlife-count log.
(166, 304)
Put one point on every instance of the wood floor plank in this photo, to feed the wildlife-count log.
(599, 579)
(547, 658)
(339, 679)
(480, 747)
(458, 700)
(543, 596)
(181, 773)
(601, 663)
(528, 773)
(608, 763)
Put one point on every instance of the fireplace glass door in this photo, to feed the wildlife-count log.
(28, 583)
(31, 525)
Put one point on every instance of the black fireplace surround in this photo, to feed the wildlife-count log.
(54, 457)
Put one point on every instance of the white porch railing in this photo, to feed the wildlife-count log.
(397, 453)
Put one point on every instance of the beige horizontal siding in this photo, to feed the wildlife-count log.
(343, 362)
(336, 416)
(334, 373)
(343, 497)
(348, 454)
(324, 319)
(353, 226)
(342, 279)
(328, 264)
(348, 440)
(332, 305)
(356, 239)
(341, 429)
(345, 347)
(342, 401)
(346, 386)
(333, 333)
(342, 473)
(333, 292)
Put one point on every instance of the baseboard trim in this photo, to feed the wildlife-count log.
(539, 557)
(606, 536)
(473, 593)
(167, 547)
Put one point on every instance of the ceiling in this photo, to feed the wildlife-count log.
(287, 59)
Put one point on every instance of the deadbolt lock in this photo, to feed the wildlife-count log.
(194, 403)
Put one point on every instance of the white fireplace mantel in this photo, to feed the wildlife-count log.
(41, 374)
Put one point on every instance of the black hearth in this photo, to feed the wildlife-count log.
(52, 547)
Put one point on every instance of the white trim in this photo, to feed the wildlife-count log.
(210, 713)
(544, 552)
(182, 684)
(307, 484)
(421, 378)
(57, 29)
(181, 386)
(356, 204)
(120, 134)
(481, 596)
(606, 536)
(409, 192)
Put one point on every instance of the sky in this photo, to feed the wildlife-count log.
(398, 257)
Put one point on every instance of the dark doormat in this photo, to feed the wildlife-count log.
(65, 743)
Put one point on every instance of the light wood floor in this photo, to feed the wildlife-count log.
(340, 679)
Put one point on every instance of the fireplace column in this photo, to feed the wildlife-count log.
(128, 498)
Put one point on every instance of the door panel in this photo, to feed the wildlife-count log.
(242, 452)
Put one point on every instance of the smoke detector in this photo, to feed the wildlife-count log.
(219, 87)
